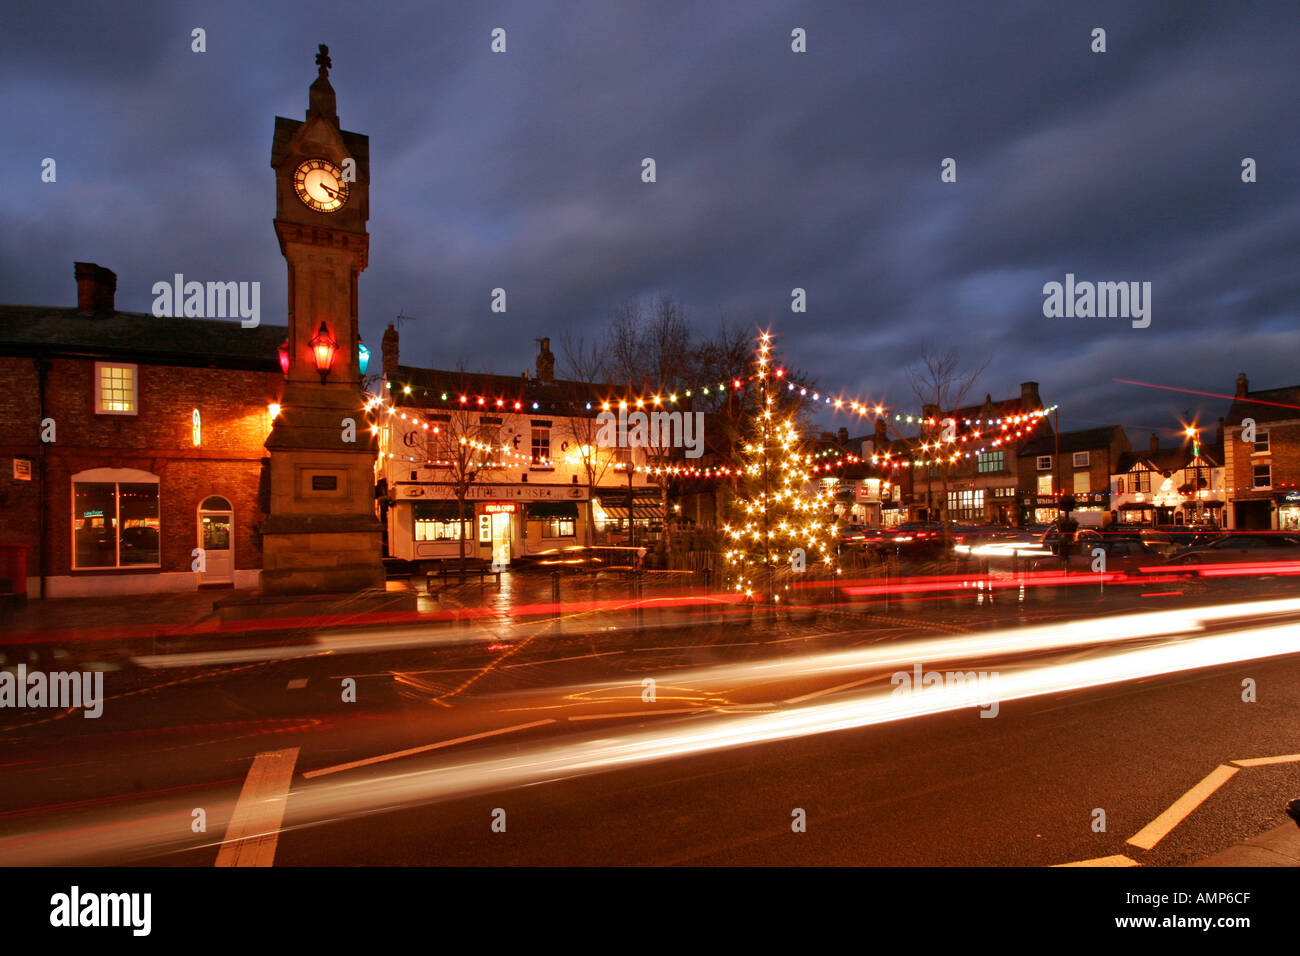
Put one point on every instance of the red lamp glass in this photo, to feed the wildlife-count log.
(323, 347)
(284, 358)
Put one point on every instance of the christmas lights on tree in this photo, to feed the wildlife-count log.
(781, 521)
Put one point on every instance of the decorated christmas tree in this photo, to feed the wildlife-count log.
(781, 523)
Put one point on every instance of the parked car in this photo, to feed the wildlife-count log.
(1122, 553)
(1169, 541)
(1237, 548)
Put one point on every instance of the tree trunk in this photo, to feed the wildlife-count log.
(460, 524)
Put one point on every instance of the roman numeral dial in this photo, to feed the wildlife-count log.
(320, 186)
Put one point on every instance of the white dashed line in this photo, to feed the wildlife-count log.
(255, 825)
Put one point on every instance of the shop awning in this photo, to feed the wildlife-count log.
(646, 504)
(552, 509)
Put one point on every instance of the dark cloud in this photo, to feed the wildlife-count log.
(775, 171)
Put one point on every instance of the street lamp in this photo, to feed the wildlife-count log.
(323, 346)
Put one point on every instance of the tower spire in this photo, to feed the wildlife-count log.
(321, 95)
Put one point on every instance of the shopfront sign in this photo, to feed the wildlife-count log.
(491, 492)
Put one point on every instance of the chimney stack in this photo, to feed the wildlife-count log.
(545, 361)
(843, 436)
(96, 288)
(1029, 400)
(880, 433)
(1243, 385)
(389, 348)
(1155, 443)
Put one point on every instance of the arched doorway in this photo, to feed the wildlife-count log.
(217, 539)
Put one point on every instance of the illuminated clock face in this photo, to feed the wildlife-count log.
(320, 186)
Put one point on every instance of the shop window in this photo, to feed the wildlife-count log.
(559, 528)
(440, 529)
(966, 505)
(115, 389)
(115, 521)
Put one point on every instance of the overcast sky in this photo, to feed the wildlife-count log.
(775, 170)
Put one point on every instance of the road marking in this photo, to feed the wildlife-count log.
(424, 749)
(561, 660)
(1159, 828)
(255, 825)
(1266, 761)
(1118, 860)
(297, 683)
(830, 690)
(649, 712)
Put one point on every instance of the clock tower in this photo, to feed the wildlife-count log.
(321, 535)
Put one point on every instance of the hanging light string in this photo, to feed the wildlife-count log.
(666, 397)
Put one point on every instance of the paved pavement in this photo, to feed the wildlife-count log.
(1277, 847)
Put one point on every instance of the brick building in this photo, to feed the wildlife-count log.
(130, 440)
(1262, 476)
(1077, 463)
(984, 483)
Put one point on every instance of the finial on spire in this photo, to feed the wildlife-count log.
(323, 60)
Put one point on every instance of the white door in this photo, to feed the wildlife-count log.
(217, 539)
(501, 539)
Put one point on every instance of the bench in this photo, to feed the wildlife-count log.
(452, 568)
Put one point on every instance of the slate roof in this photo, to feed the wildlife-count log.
(1245, 408)
(1169, 460)
(1086, 439)
(140, 337)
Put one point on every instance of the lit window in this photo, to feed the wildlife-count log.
(115, 519)
(991, 461)
(438, 529)
(559, 528)
(541, 446)
(115, 389)
(1081, 483)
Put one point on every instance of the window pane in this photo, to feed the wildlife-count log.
(94, 524)
(117, 389)
(541, 446)
(139, 507)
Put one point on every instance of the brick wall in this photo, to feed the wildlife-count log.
(158, 439)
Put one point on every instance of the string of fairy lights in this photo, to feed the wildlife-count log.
(1003, 429)
(664, 398)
